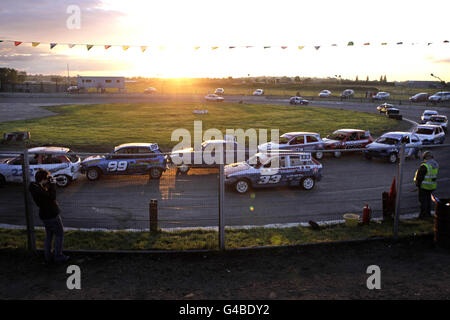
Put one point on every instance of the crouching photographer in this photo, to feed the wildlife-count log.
(43, 191)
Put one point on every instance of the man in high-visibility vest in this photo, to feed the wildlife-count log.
(425, 180)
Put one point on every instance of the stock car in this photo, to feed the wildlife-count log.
(439, 120)
(274, 169)
(430, 134)
(427, 114)
(383, 108)
(213, 98)
(387, 146)
(62, 164)
(296, 141)
(126, 160)
(298, 100)
(347, 139)
(188, 158)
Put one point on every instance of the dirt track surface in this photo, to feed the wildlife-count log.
(411, 269)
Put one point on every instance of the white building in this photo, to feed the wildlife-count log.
(99, 83)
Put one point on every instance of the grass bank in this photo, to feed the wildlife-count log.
(207, 240)
(99, 127)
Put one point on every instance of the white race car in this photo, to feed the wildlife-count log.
(214, 98)
(62, 164)
(258, 92)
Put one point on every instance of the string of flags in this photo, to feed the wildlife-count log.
(144, 48)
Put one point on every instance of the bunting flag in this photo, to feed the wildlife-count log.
(1, 40)
(445, 41)
(249, 47)
(317, 47)
(214, 48)
(367, 44)
(350, 43)
(231, 47)
(107, 47)
(429, 43)
(300, 47)
(52, 45)
(71, 45)
(196, 48)
(334, 45)
(384, 43)
(283, 47)
(143, 48)
(17, 43)
(35, 44)
(125, 48)
(266, 47)
(89, 46)
(399, 43)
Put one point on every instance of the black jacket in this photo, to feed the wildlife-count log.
(45, 200)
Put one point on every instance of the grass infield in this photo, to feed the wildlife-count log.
(208, 240)
(98, 128)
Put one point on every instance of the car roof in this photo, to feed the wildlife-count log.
(136, 144)
(439, 116)
(277, 153)
(427, 126)
(350, 130)
(294, 134)
(397, 133)
(430, 111)
(48, 150)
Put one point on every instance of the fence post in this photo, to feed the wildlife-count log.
(31, 239)
(221, 201)
(399, 189)
(153, 215)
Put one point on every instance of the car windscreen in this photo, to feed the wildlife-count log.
(257, 160)
(284, 140)
(433, 119)
(424, 131)
(388, 140)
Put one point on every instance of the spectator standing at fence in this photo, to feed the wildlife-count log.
(425, 180)
(43, 191)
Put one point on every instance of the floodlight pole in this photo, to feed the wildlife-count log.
(31, 243)
(221, 202)
(399, 190)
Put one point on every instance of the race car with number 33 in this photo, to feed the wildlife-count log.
(126, 160)
(274, 169)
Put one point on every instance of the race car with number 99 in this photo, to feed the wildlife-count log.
(274, 169)
(126, 160)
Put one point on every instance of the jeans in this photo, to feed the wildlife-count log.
(53, 228)
(425, 203)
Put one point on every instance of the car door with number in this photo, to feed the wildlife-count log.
(121, 162)
(271, 173)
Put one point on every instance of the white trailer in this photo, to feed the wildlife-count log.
(100, 83)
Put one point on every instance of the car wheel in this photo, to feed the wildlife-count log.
(308, 183)
(183, 169)
(155, 173)
(337, 154)
(393, 157)
(242, 186)
(2, 181)
(93, 174)
(319, 155)
(62, 181)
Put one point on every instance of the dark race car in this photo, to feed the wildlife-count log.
(126, 160)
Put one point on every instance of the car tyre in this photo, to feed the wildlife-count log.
(308, 183)
(242, 186)
(62, 180)
(393, 157)
(319, 155)
(155, 173)
(93, 174)
(183, 169)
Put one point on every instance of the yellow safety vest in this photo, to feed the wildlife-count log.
(429, 181)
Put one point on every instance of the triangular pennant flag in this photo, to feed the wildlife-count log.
(35, 44)
(283, 47)
(367, 44)
(196, 48)
(107, 47)
(399, 43)
(429, 43)
(71, 45)
(350, 43)
(17, 43)
(143, 48)
(266, 47)
(300, 47)
(384, 43)
(214, 48)
(125, 48)
(334, 45)
(445, 41)
(249, 46)
(231, 47)
(317, 47)
(52, 45)
(89, 46)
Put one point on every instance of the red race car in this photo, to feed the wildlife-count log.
(347, 139)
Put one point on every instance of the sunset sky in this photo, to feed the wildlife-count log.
(179, 26)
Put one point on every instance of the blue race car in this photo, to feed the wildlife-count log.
(274, 169)
(125, 160)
